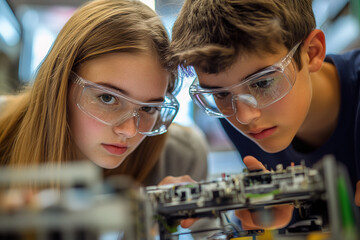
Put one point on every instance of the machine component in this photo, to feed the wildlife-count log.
(247, 190)
(298, 185)
(73, 203)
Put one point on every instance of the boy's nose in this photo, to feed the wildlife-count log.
(127, 128)
(246, 113)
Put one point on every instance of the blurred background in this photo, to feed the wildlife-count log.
(29, 27)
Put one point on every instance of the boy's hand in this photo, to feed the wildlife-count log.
(357, 194)
(280, 215)
(185, 223)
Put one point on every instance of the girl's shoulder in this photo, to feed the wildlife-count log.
(189, 137)
(3, 100)
(10, 100)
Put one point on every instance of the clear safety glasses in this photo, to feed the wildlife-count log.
(258, 90)
(113, 108)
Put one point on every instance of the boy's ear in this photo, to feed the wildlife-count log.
(315, 48)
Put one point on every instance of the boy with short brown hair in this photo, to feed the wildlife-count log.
(261, 65)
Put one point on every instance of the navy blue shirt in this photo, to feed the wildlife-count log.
(344, 143)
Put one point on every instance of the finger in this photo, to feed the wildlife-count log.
(246, 219)
(283, 215)
(174, 180)
(357, 194)
(166, 180)
(277, 217)
(12, 200)
(186, 223)
(252, 163)
(186, 178)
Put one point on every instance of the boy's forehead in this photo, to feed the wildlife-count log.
(243, 66)
(241, 54)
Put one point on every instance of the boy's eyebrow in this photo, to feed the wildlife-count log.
(256, 72)
(122, 91)
(209, 87)
(240, 80)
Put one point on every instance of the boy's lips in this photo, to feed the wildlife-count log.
(115, 149)
(261, 133)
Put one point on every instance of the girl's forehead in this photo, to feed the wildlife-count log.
(140, 76)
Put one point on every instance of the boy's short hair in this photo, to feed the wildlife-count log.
(210, 34)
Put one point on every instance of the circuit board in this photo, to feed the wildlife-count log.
(245, 190)
(299, 185)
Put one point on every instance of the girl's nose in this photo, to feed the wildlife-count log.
(127, 128)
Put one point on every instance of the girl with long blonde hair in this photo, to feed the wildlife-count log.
(103, 93)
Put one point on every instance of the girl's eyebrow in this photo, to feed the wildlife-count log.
(122, 91)
(112, 87)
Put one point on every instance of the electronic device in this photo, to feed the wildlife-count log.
(73, 202)
(257, 191)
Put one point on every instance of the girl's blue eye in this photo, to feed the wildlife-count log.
(107, 99)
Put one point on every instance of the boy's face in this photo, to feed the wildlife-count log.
(273, 127)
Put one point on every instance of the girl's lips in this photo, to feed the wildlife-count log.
(262, 133)
(115, 149)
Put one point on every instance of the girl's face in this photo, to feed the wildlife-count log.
(138, 76)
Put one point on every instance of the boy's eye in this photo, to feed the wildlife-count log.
(107, 99)
(221, 95)
(150, 110)
(264, 83)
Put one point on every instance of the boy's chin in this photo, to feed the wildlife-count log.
(273, 147)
